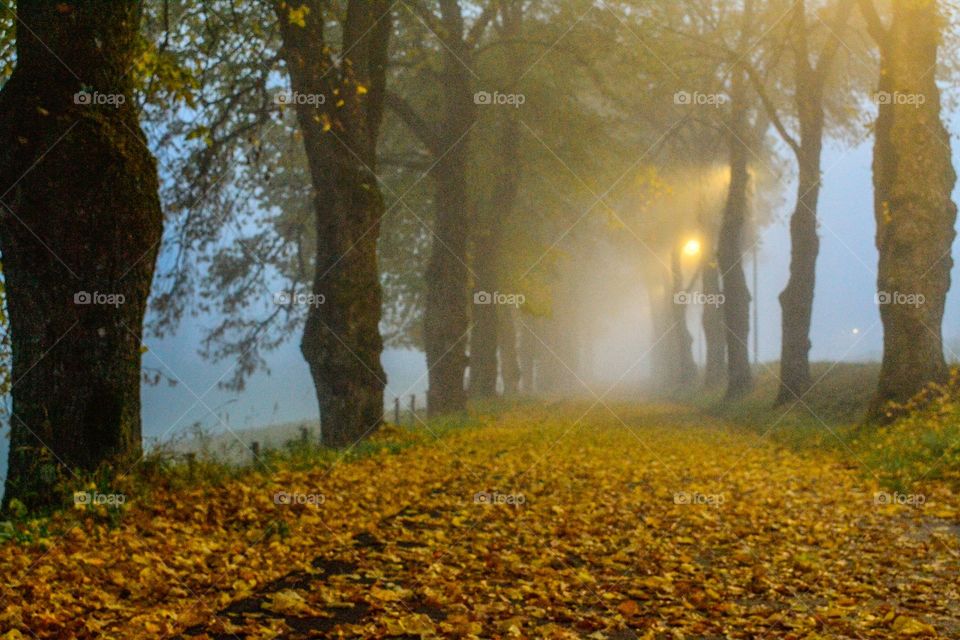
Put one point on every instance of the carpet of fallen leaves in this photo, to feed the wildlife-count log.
(554, 522)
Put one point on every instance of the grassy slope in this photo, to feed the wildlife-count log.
(922, 446)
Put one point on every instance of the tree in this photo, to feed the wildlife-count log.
(809, 85)
(339, 106)
(446, 322)
(488, 319)
(913, 179)
(686, 368)
(736, 295)
(80, 227)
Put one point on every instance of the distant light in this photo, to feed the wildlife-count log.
(856, 331)
(692, 247)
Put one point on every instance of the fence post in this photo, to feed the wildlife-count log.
(396, 410)
(413, 409)
(191, 465)
(255, 449)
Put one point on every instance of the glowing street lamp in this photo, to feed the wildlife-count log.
(692, 247)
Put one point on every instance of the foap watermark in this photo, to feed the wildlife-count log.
(96, 98)
(902, 499)
(99, 298)
(485, 98)
(492, 497)
(699, 298)
(896, 297)
(95, 498)
(297, 498)
(510, 299)
(698, 99)
(697, 498)
(900, 98)
(289, 299)
(294, 98)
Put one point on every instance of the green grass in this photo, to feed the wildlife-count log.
(834, 407)
(923, 444)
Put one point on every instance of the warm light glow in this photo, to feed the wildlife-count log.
(692, 247)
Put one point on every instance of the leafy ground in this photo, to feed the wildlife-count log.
(565, 521)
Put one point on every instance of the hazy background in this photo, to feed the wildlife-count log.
(846, 323)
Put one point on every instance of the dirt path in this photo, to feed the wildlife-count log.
(643, 523)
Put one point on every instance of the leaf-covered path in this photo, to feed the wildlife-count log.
(635, 522)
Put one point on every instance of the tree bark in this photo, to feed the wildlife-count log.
(80, 223)
(913, 180)
(736, 302)
(796, 300)
(488, 318)
(446, 323)
(341, 340)
(713, 335)
(445, 314)
(486, 314)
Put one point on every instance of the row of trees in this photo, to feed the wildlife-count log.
(795, 68)
(384, 163)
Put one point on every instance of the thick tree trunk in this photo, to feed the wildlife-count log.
(445, 313)
(736, 303)
(715, 347)
(80, 223)
(486, 316)
(796, 300)
(341, 340)
(486, 313)
(913, 180)
(509, 363)
(686, 367)
(446, 322)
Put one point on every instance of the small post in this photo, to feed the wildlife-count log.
(304, 435)
(396, 410)
(191, 458)
(413, 409)
(255, 449)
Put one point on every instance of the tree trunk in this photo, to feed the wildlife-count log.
(509, 363)
(686, 368)
(736, 302)
(913, 180)
(796, 300)
(80, 224)
(445, 315)
(713, 335)
(486, 316)
(341, 340)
